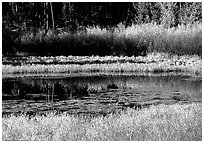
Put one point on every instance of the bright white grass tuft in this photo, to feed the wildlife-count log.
(163, 122)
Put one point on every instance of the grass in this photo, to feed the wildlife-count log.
(133, 40)
(162, 122)
(180, 40)
(154, 62)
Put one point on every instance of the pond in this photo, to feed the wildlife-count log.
(96, 94)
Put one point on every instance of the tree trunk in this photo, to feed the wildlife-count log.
(47, 20)
(16, 13)
(11, 15)
(53, 22)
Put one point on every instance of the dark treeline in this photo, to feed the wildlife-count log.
(57, 14)
(27, 26)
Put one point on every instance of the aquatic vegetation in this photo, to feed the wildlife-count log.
(157, 123)
(154, 62)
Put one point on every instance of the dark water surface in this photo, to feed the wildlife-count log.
(96, 94)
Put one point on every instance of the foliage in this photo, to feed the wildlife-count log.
(134, 40)
(74, 14)
(95, 29)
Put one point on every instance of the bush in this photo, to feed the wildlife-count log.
(134, 40)
(10, 41)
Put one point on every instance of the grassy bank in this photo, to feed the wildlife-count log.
(133, 40)
(162, 122)
(154, 62)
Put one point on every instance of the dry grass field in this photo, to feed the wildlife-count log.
(157, 123)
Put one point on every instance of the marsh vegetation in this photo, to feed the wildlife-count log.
(119, 104)
(157, 123)
(83, 72)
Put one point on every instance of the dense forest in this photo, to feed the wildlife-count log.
(27, 26)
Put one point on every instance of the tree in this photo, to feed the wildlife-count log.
(53, 22)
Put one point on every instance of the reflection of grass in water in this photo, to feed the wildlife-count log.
(174, 122)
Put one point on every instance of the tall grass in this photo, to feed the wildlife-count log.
(180, 40)
(134, 40)
(162, 122)
(155, 62)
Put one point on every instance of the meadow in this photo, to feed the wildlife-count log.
(145, 48)
(157, 123)
(85, 73)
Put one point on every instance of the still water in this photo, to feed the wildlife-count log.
(93, 88)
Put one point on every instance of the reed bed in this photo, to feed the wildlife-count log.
(154, 62)
(157, 123)
(177, 40)
(133, 40)
(151, 57)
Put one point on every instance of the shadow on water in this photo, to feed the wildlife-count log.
(97, 95)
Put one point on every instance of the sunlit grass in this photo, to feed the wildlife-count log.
(153, 62)
(178, 40)
(133, 40)
(162, 122)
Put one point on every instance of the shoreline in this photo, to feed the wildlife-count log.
(152, 63)
(87, 74)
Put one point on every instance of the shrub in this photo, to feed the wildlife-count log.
(134, 40)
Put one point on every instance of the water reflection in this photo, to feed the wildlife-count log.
(64, 85)
(96, 93)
